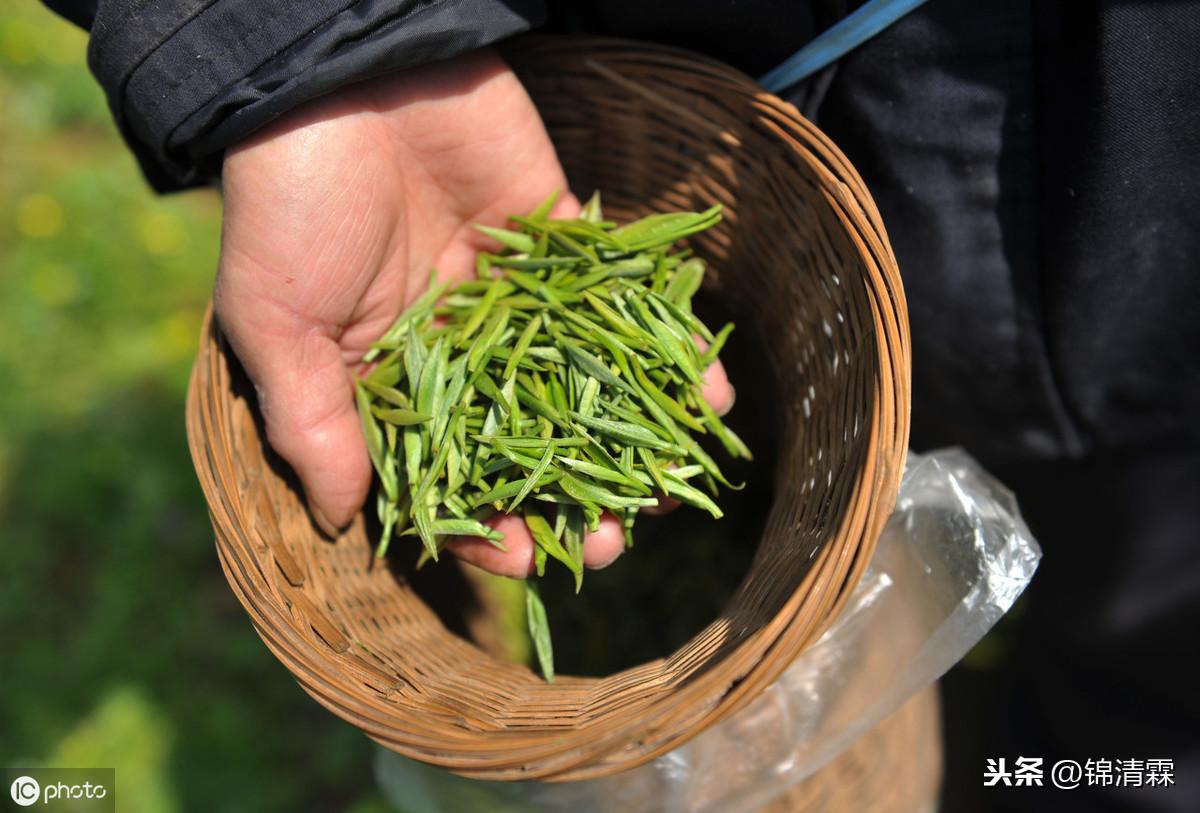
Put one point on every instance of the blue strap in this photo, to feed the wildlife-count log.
(837, 41)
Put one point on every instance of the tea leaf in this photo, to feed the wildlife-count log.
(468, 527)
(565, 374)
(515, 487)
(600, 472)
(481, 311)
(715, 346)
(661, 399)
(542, 210)
(512, 239)
(629, 433)
(652, 468)
(584, 491)
(539, 629)
(374, 438)
(545, 539)
(732, 443)
(685, 283)
(385, 393)
(534, 476)
(526, 339)
(669, 310)
(592, 366)
(591, 210)
(682, 491)
(669, 346)
(663, 229)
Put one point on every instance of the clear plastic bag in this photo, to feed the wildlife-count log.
(952, 559)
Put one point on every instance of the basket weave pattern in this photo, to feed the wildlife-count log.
(803, 259)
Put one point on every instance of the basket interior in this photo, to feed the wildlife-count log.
(797, 260)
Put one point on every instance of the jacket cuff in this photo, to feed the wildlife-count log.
(234, 65)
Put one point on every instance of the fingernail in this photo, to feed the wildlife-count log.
(732, 400)
(322, 522)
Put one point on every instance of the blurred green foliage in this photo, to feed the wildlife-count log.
(122, 645)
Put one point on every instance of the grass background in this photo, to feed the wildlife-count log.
(122, 645)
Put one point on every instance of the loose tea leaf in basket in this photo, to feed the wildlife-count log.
(563, 382)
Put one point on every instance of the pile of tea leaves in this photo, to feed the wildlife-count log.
(563, 382)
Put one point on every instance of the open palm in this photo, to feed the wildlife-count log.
(334, 216)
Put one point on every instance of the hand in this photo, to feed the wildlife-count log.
(334, 216)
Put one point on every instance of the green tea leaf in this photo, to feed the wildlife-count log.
(732, 443)
(682, 491)
(371, 431)
(565, 374)
(591, 210)
(400, 417)
(715, 346)
(663, 229)
(585, 491)
(485, 306)
(587, 399)
(669, 346)
(684, 284)
(543, 536)
(622, 431)
(652, 468)
(523, 342)
(661, 399)
(468, 527)
(543, 209)
(534, 476)
(515, 487)
(592, 366)
(669, 310)
(414, 362)
(535, 263)
(423, 523)
(512, 239)
(573, 536)
(611, 475)
(539, 629)
(386, 393)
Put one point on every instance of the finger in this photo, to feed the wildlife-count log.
(716, 388)
(516, 561)
(602, 546)
(307, 399)
(567, 206)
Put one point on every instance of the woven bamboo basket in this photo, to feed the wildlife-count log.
(802, 257)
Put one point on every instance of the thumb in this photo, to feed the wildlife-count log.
(306, 395)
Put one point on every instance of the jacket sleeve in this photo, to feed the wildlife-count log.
(187, 78)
